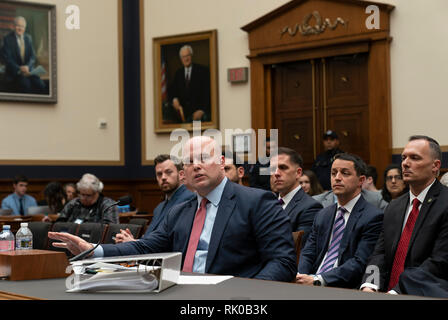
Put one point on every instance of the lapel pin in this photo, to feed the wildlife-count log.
(429, 200)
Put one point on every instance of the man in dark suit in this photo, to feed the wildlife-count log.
(301, 208)
(415, 227)
(343, 235)
(189, 92)
(169, 175)
(236, 230)
(19, 58)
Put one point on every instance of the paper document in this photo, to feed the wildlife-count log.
(39, 71)
(202, 279)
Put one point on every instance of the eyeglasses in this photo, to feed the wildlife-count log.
(390, 178)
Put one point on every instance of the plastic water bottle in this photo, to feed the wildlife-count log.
(24, 237)
(6, 239)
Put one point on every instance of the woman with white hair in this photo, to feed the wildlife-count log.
(91, 205)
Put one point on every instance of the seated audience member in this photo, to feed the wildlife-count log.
(286, 168)
(444, 179)
(328, 198)
(413, 244)
(309, 183)
(70, 191)
(169, 174)
(91, 205)
(55, 197)
(371, 177)
(226, 229)
(393, 186)
(233, 168)
(343, 235)
(19, 201)
(259, 172)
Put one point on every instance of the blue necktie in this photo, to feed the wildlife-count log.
(333, 249)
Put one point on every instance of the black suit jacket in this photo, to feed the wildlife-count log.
(11, 55)
(251, 236)
(301, 211)
(428, 247)
(361, 233)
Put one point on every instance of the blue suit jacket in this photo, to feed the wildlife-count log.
(182, 194)
(251, 236)
(11, 54)
(301, 210)
(361, 233)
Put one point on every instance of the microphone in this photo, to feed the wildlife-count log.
(121, 202)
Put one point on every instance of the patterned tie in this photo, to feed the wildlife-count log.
(196, 231)
(333, 249)
(402, 249)
(280, 200)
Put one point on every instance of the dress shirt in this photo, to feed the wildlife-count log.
(348, 207)
(421, 197)
(13, 202)
(200, 257)
(288, 197)
(188, 72)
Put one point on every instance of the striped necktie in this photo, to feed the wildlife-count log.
(333, 249)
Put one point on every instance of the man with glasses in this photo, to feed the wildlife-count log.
(91, 205)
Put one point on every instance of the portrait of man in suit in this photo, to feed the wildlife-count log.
(21, 73)
(414, 242)
(344, 234)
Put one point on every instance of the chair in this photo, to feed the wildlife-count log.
(40, 234)
(37, 210)
(297, 236)
(92, 232)
(140, 222)
(114, 228)
(5, 212)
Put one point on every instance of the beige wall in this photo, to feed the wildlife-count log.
(88, 89)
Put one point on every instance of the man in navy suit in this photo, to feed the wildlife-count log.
(228, 229)
(169, 175)
(19, 57)
(343, 235)
(301, 208)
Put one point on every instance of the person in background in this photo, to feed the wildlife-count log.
(259, 174)
(393, 186)
(91, 205)
(169, 174)
(19, 201)
(444, 179)
(233, 168)
(371, 177)
(322, 164)
(55, 197)
(70, 191)
(310, 184)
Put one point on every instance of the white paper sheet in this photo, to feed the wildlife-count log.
(202, 279)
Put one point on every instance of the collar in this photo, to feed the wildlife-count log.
(421, 197)
(288, 197)
(215, 195)
(349, 205)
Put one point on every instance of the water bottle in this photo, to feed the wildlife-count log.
(24, 237)
(6, 239)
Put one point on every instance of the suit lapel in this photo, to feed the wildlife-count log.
(328, 222)
(351, 222)
(294, 201)
(225, 210)
(187, 220)
(397, 219)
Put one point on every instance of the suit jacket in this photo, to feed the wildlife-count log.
(301, 210)
(428, 246)
(11, 55)
(182, 194)
(375, 198)
(361, 233)
(251, 236)
(195, 96)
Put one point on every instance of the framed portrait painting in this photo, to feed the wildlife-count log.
(27, 52)
(185, 81)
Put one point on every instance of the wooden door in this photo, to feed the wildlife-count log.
(312, 96)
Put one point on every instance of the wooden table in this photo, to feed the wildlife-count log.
(14, 221)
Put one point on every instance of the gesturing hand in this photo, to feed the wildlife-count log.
(74, 244)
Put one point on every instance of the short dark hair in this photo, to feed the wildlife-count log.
(294, 156)
(433, 145)
(236, 161)
(359, 164)
(164, 157)
(372, 172)
(20, 178)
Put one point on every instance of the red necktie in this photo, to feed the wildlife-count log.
(402, 249)
(196, 231)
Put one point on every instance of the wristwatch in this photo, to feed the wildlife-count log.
(316, 281)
